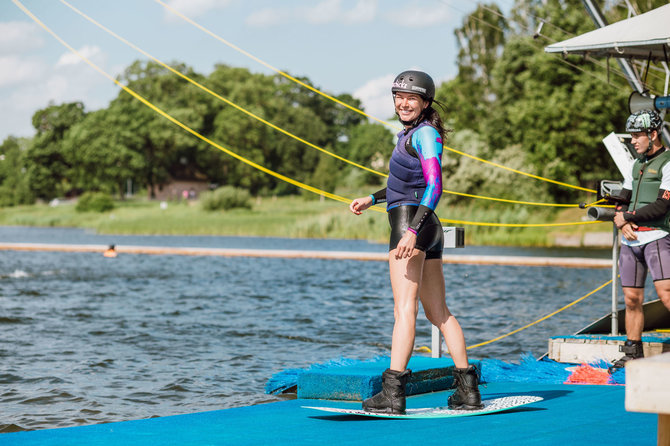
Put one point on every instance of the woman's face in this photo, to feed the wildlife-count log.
(409, 106)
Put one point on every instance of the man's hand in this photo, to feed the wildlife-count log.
(627, 228)
(619, 221)
(628, 231)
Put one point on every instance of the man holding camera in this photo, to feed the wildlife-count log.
(644, 221)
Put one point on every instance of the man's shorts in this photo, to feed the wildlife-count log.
(634, 261)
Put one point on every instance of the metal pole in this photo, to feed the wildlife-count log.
(453, 238)
(435, 343)
(615, 274)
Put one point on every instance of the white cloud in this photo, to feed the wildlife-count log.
(268, 17)
(364, 11)
(376, 97)
(18, 37)
(92, 53)
(326, 11)
(20, 70)
(65, 81)
(323, 12)
(415, 16)
(194, 8)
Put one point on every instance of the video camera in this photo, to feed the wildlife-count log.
(609, 191)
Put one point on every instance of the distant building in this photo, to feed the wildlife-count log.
(181, 190)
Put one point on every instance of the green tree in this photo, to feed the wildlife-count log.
(165, 148)
(369, 145)
(554, 112)
(97, 151)
(14, 185)
(481, 40)
(286, 107)
(47, 164)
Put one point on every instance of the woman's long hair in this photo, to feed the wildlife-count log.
(433, 117)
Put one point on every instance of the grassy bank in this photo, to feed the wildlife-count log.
(294, 217)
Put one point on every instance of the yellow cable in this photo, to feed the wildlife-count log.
(503, 200)
(219, 97)
(279, 129)
(231, 153)
(543, 318)
(520, 172)
(517, 225)
(278, 71)
(175, 121)
(599, 201)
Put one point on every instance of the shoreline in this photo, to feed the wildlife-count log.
(568, 262)
(300, 218)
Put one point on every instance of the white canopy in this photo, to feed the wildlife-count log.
(634, 37)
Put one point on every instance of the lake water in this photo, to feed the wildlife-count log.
(88, 339)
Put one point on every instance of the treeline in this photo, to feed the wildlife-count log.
(510, 103)
(75, 151)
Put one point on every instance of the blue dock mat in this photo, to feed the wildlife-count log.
(569, 415)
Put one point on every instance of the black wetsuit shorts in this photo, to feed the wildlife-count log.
(430, 238)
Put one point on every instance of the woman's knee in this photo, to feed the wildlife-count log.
(436, 315)
(405, 310)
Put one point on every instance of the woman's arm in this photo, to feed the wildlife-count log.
(428, 145)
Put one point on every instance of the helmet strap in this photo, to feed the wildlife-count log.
(649, 147)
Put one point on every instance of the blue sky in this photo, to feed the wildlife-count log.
(354, 46)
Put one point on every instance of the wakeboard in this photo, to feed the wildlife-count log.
(490, 406)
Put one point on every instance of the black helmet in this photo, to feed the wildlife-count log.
(644, 121)
(416, 82)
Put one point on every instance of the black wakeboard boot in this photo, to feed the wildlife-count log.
(466, 396)
(392, 397)
(631, 350)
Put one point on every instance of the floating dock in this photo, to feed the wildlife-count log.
(569, 414)
(571, 262)
(592, 348)
(595, 341)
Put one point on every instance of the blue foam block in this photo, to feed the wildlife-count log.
(362, 380)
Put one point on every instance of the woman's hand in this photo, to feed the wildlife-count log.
(360, 204)
(406, 245)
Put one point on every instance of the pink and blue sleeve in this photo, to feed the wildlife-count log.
(428, 144)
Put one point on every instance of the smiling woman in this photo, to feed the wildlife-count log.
(415, 250)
